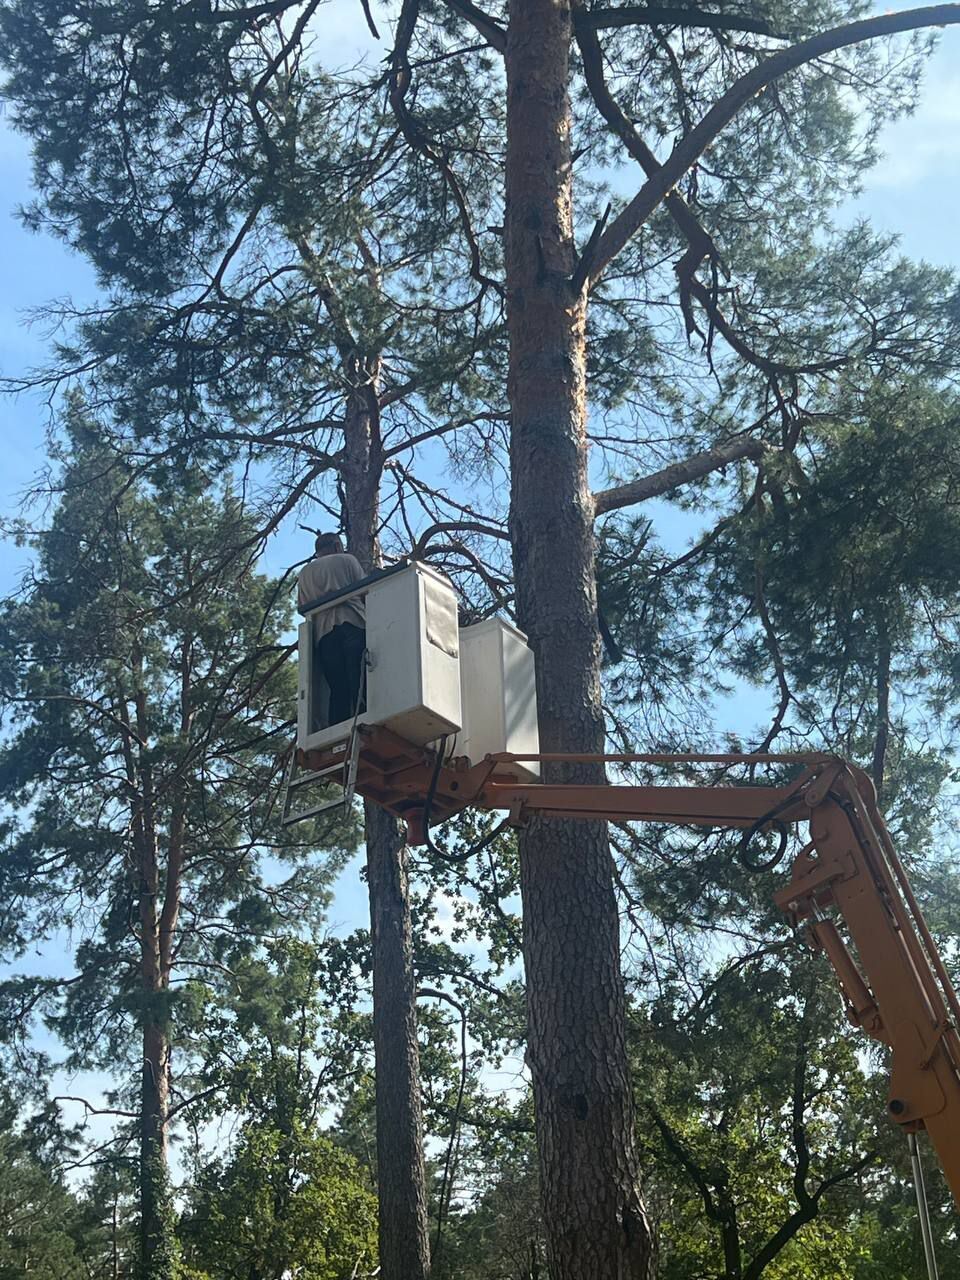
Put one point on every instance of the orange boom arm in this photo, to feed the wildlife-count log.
(897, 988)
(894, 982)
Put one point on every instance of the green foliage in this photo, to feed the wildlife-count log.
(38, 1219)
(145, 686)
(283, 1202)
(278, 1047)
(107, 1220)
(761, 1121)
(279, 1042)
(147, 697)
(857, 559)
(499, 1236)
(160, 1253)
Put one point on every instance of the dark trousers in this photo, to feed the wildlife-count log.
(340, 656)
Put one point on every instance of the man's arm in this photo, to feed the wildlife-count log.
(304, 593)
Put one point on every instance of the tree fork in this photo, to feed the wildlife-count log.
(595, 1221)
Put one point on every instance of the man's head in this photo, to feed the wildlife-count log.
(328, 544)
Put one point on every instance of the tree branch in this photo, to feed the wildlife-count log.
(488, 27)
(882, 735)
(412, 441)
(773, 646)
(188, 1102)
(90, 1110)
(677, 474)
(782, 1237)
(446, 1185)
(200, 12)
(77, 701)
(700, 242)
(456, 526)
(684, 1158)
(701, 245)
(690, 148)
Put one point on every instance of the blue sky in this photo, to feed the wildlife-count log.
(914, 191)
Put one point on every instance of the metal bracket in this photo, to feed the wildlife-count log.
(915, 1090)
(941, 1029)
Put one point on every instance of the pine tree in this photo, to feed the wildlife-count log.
(146, 699)
(39, 1217)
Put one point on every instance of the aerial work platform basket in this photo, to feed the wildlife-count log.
(428, 685)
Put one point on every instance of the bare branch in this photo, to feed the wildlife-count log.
(456, 526)
(201, 12)
(678, 473)
(700, 242)
(412, 441)
(90, 1110)
(188, 1102)
(400, 80)
(371, 25)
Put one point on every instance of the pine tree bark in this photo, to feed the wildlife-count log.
(157, 1245)
(401, 1176)
(401, 1180)
(594, 1217)
(157, 1249)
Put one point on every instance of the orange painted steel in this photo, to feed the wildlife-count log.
(894, 983)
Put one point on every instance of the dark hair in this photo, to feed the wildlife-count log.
(328, 544)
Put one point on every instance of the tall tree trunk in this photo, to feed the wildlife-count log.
(157, 1244)
(401, 1177)
(157, 1240)
(401, 1180)
(594, 1217)
(157, 1247)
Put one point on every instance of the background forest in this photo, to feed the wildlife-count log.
(317, 305)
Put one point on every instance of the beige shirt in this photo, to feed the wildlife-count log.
(326, 574)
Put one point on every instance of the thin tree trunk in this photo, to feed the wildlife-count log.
(401, 1180)
(114, 1252)
(157, 1252)
(595, 1222)
(157, 1248)
(401, 1177)
(157, 1243)
(882, 734)
(730, 1236)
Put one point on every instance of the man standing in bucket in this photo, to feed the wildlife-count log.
(339, 632)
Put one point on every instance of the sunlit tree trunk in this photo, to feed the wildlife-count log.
(594, 1217)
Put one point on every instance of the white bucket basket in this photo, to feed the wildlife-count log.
(499, 695)
(412, 672)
